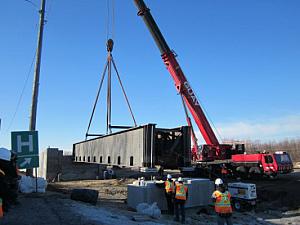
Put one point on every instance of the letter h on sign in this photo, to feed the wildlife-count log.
(28, 143)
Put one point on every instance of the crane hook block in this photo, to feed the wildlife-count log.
(110, 45)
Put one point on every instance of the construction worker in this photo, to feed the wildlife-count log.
(224, 172)
(3, 191)
(161, 171)
(13, 179)
(223, 208)
(181, 194)
(169, 192)
(2, 174)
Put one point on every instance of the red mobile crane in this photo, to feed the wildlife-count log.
(216, 150)
(213, 150)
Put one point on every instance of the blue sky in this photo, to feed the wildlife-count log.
(241, 58)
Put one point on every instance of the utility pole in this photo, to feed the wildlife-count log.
(35, 90)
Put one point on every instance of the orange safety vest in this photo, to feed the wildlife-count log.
(181, 191)
(169, 186)
(222, 204)
(224, 171)
(1, 208)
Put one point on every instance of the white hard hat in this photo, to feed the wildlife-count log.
(180, 179)
(169, 176)
(218, 181)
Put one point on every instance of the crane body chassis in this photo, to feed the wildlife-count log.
(213, 154)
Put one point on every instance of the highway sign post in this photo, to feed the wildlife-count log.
(25, 144)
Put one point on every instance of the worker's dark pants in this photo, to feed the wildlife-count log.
(224, 220)
(13, 191)
(169, 197)
(179, 204)
(4, 194)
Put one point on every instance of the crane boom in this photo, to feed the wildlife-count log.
(182, 85)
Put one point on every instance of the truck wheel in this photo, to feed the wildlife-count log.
(242, 172)
(237, 206)
(273, 176)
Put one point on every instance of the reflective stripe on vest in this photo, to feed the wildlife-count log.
(222, 204)
(169, 186)
(181, 191)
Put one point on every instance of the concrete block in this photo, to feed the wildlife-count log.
(200, 191)
(136, 195)
(156, 194)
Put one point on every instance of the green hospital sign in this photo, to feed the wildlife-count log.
(25, 144)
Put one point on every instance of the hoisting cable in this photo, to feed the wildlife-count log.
(108, 98)
(110, 21)
(109, 33)
(194, 138)
(123, 90)
(210, 121)
(97, 97)
(113, 19)
(107, 20)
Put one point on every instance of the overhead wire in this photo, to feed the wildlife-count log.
(48, 12)
(33, 4)
(27, 76)
(22, 92)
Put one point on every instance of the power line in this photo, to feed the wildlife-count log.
(33, 4)
(22, 93)
(27, 77)
(48, 12)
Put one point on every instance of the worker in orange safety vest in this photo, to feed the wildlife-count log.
(225, 172)
(169, 192)
(223, 208)
(3, 192)
(181, 195)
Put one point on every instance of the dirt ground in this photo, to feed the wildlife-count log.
(278, 203)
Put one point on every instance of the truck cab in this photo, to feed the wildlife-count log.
(255, 164)
(283, 162)
(268, 164)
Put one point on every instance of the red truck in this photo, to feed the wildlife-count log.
(213, 154)
(261, 164)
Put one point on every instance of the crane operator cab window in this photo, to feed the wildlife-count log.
(268, 159)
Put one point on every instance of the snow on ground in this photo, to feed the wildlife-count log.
(104, 216)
